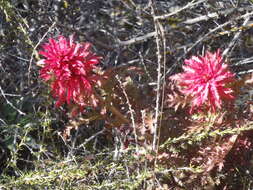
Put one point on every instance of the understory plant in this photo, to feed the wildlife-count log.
(205, 128)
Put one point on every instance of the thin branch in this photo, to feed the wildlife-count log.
(3, 121)
(245, 72)
(137, 39)
(243, 62)
(131, 111)
(159, 76)
(217, 28)
(163, 87)
(35, 47)
(8, 102)
(189, 5)
(92, 137)
(236, 37)
(215, 15)
(205, 37)
(88, 38)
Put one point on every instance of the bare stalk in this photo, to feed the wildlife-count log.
(158, 84)
(131, 112)
(189, 5)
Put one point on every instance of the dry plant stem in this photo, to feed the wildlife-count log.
(110, 107)
(92, 137)
(236, 37)
(87, 37)
(24, 28)
(244, 61)
(145, 68)
(8, 102)
(137, 39)
(35, 51)
(207, 17)
(128, 3)
(205, 37)
(131, 112)
(163, 89)
(217, 28)
(189, 5)
(159, 62)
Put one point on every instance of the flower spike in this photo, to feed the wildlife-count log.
(205, 79)
(68, 67)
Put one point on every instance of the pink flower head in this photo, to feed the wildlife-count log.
(205, 79)
(68, 67)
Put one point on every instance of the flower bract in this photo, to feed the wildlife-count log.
(206, 79)
(68, 66)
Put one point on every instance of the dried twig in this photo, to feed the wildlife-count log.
(89, 38)
(35, 47)
(236, 37)
(205, 37)
(189, 5)
(131, 112)
(92, 137)
(210, 33)
(8, 102)
(137, 39)
(215, 15)
(159, 31)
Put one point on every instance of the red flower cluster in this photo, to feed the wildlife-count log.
(205, 79)
(68, 67)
